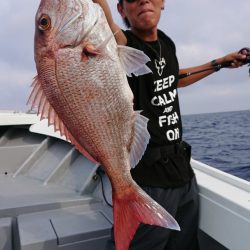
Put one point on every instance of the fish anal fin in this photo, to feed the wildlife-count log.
(140, 139)
(38, 99)
(137, 207)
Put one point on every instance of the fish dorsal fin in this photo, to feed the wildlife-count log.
(39, 101)
(133, 60)
(141, 139)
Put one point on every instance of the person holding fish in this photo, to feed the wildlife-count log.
(82, 89)
(164, 171)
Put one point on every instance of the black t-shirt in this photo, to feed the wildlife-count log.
(156, 95)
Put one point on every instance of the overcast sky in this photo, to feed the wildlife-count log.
(202, 30)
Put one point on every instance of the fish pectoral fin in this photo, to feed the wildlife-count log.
(133, 208)
(140, 139)
(90, 50)
(133, 60)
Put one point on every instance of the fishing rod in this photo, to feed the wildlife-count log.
(217, 67)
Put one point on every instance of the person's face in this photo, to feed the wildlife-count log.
(141, 14)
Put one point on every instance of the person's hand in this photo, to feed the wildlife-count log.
(237, 59)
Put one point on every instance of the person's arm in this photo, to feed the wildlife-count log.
(119, 36)
(235, 57)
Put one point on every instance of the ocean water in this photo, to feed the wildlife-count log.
(221, 140)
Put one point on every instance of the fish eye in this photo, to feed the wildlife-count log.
(44, 22)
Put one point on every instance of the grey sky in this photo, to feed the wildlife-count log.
(202, 30)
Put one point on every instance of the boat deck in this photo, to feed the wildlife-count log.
(51, 197)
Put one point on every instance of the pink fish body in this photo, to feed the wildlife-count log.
(82, 89)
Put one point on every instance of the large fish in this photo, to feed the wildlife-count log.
(82, 89)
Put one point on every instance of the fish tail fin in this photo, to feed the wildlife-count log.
(137, 207)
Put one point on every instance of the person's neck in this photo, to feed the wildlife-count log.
(146, 35)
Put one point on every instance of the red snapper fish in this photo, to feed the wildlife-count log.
(81, 88)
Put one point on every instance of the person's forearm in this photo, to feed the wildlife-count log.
(196, 77)
(234, 59)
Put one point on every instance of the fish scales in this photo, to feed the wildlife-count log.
(88, 101)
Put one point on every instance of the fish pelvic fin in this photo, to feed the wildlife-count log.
(137, 207)
(133, 61)
(141, 139)
(38, 101)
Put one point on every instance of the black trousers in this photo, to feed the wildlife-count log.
(183, 204)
